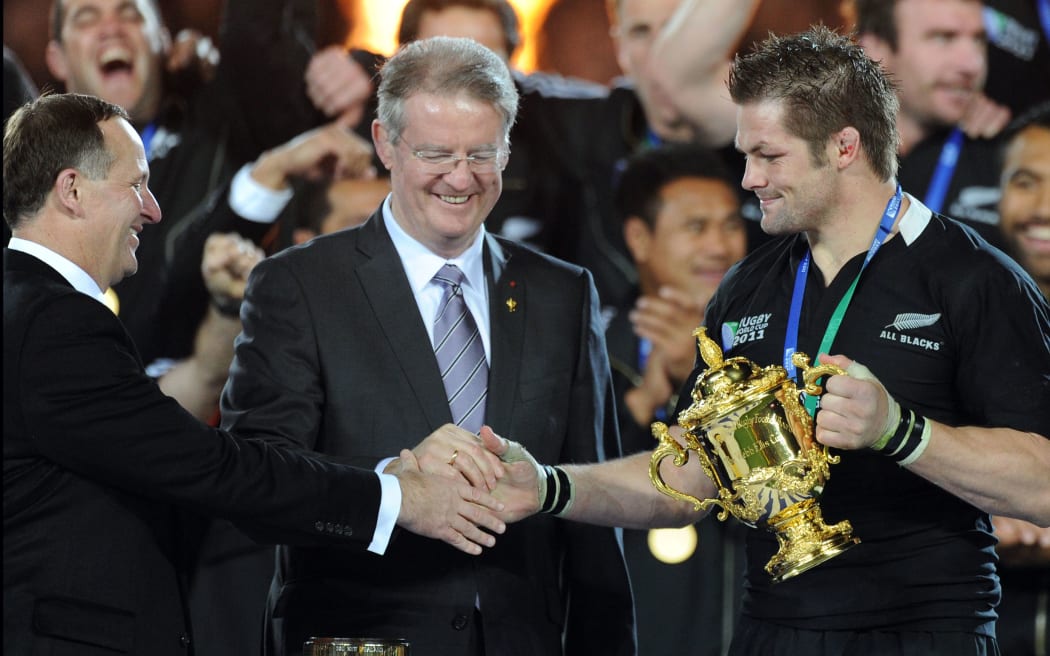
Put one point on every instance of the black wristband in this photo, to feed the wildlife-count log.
(900, 435)
(559, 490)
(913, 442)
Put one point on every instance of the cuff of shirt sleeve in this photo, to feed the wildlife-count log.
(389, 509)
(253, 201)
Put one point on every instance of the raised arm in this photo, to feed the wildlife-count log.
(690, 63)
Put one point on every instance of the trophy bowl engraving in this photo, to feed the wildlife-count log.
(754, 439)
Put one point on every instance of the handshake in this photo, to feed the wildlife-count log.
(461, 488)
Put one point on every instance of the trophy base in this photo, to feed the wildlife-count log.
(355, 647)
(805, 540)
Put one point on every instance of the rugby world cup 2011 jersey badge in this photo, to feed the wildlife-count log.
(903, 327)
(748, 329)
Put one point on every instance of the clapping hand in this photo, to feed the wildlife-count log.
(228, 259)
(337, 85)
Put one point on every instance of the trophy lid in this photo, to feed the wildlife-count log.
(725, 383)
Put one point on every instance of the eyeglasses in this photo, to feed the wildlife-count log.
(440, 162)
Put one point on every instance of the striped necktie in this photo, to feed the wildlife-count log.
(460, 353)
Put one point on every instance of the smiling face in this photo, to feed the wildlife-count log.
(794, 192)
(1024, 210)
(697, 235)
(443, 212)
(940, 61)
(117, 207)
(111, 49)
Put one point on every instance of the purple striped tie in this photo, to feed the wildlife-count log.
(460, 353)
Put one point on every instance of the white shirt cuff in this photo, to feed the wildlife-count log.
(255, 202)
(389, 509)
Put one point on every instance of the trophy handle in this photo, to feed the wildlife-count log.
(810, 375)
(670, 447)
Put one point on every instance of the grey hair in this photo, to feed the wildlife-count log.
(445, 66)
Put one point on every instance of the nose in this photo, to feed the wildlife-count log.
(752, 176)
(151, 208)
(1042, 202)
(461, 175)
(110, 23)
(972, 57)
(717, 243)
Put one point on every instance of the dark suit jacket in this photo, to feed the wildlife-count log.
(96, 460)
(334, 350)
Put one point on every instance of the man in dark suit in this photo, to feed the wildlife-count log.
(97, 462)
(337, 355)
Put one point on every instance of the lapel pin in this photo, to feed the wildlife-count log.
(512, 305)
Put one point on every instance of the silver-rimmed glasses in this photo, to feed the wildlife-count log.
(440, 162)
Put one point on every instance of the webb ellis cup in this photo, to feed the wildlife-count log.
(754, 439)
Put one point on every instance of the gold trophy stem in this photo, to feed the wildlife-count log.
(805, 540)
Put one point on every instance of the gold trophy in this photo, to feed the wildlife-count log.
(754, 439)
(355, 647)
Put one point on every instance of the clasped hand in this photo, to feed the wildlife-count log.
(456, 488)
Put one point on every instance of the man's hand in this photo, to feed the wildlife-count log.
(227, 261)
(1021, 543)
(451, 451)
(194, 54)
(668, 321)
(446, 508)
(984, 118)
(519, 487)
(653, 392)
(337, 85)
(328, 151)
(854, 408)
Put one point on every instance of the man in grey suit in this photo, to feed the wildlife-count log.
(338, 354)
(99, 465)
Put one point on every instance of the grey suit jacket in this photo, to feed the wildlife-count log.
(334, 348)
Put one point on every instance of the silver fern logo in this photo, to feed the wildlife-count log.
(905, 321)
(911, 320)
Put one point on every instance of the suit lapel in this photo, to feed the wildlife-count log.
(385, 285)
(507, 313)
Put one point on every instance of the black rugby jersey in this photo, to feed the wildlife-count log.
(955, 330)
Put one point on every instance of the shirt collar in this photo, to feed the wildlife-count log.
(421, 263)
(914, 220)
(73, 274)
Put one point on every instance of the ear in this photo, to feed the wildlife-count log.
(381, 141)
(639, 237)
(846, 145)
(69, 193)
(56, 61)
